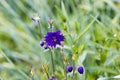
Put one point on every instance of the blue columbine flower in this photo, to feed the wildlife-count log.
(54, 38)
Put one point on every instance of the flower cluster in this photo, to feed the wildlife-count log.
(52, 39)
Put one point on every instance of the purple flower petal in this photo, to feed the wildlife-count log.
(58, 32)
(54, 38)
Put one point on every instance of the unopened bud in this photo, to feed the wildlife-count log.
(45, 68)
(73, 57)
(65, 59)
(32, 71)
(50, 21)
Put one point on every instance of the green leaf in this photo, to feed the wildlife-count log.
(64, 10)
(85, 30)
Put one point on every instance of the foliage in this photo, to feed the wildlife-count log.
(91, 29)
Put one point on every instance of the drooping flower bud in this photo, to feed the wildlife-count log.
(46, 47)
(80, 69)
(53, 77)
(42, 43)
(69, 68)
(51, 22)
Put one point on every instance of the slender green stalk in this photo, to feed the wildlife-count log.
(47, 75)
(51, 24)
(64, 67)
(39, 28)
(51, 29)
(62, 59)
(65, 72)
(45, 70)
(53, 66)
(73, 70)
(32, 77)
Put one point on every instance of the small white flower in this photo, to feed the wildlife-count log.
(36, 18)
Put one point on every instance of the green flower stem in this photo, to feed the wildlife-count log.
(53, 66)
(32, 77)
(47, 73)
(39, 28)
(73, 70)
(62, 59)
(51, 29)
(65, 72)
(64, 66)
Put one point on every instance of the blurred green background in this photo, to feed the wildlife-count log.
(91, 29)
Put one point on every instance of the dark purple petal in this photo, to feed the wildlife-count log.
(58, 32)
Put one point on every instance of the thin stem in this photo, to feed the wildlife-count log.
(46, 73)
(51, 29)
(64, 67)
(39, 27)
(62, 58)
(32, 77)
(52, 61)
(65, 73)
(73, 71)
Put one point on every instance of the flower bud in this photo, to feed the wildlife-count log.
(53, 77)
(65, 59)
(73, 57)
(46, 47)
(69, 68)
(42, 43)
(80, 69)
(32, 71)
(45, 68)
(51, 22)
(36, 18)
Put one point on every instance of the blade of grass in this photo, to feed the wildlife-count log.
(85, 30)
(7, 58)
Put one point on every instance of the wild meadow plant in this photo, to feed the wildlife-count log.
(51, 41)
(91, 45)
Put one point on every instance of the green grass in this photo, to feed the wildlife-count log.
(91, 29)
